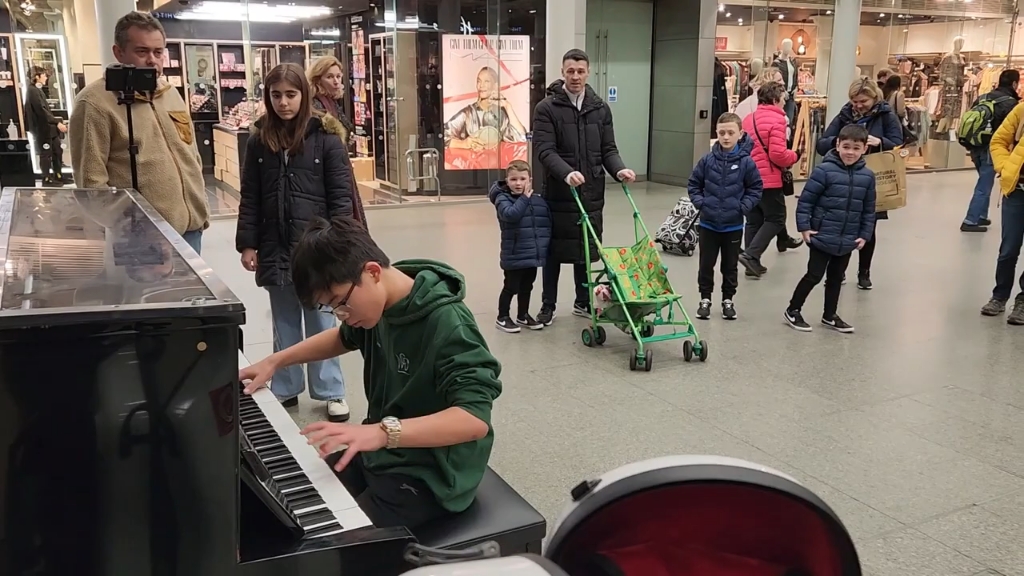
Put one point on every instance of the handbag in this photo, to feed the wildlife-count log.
(787, 174)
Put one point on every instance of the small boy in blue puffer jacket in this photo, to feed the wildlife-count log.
(836, 215)
(525, 238)
(724, 187)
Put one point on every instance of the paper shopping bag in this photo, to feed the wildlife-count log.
(890, 170)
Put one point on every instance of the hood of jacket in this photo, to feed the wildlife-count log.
(323, 122)
(498, 187)
(881, 107)
(1002, 91)
(743, 148)
(833, 158)
(436, 284)
(556, 90)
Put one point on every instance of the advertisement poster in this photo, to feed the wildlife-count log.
(486, 100)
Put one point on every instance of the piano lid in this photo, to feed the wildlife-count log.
(70, 255)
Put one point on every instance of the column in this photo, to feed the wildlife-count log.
(86, 43)
(108, 12)
(565, 29)
(71, 32)
(843, 59)
(823, 52)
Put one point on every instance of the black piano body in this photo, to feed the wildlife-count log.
(118, 402)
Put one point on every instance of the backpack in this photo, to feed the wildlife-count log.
(976, 127)
(678, 234)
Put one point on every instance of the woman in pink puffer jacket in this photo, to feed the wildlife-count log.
(767, 127)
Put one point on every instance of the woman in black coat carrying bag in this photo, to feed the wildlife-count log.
(574, 140)
(867, 107)
(296, 169)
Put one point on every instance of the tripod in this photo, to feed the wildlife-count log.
(128, 99)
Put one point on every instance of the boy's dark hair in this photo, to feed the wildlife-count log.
(1007, 78)
(770, 93)
(38, 71)
(330, 253)
(730, 117)
(576, 55)
(518, 166)
(853, 132)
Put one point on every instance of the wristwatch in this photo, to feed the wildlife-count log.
(393, 427)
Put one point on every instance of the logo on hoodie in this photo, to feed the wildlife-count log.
(403, 363)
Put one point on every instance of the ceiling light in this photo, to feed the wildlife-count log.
(828, 13)
(782, 16)
(740, 20)
(728, 14)
(721, 7)
(882, 15)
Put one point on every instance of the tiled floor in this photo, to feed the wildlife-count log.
(912, 429)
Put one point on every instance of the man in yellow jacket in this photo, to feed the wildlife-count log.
(1007, 150)
(170, 168)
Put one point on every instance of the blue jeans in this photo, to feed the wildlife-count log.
(194, 239)
(287, 314)
(1009, 246)
(978, 208)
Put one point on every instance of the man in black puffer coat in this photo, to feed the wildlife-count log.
(574, 140)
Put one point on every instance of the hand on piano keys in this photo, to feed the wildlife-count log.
(255, 376)
(329, 436)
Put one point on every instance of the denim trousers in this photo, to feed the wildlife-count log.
(194, 239)
(1009, 246)
(978, 208)
(288, 316)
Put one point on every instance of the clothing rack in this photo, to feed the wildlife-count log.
(810, 124)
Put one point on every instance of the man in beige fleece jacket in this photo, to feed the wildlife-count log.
(169, 166)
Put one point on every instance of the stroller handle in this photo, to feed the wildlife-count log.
(638, 222)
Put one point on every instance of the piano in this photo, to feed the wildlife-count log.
(126, 445)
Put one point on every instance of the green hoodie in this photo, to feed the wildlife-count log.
(426, 355)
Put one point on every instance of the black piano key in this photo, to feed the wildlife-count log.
(272, 454)
(325, 531)
(297, 504)
(284, 464)
(261, 435)
(315, 519)
(294, 484)
(297, 495)
(265, 444)
(261, 428)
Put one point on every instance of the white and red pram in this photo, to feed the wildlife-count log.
(686, 516)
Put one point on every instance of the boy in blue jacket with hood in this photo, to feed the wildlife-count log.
(525, 223)
(724, 186)
(835, 215)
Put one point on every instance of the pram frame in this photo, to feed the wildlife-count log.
(641, 330)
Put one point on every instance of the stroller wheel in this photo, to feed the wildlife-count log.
(633, 360)
(601, 336)
(648, 360)
(703, 352)
(647, 331)
(687, 350)
(588, 337)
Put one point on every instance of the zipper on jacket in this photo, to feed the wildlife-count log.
(849, 202)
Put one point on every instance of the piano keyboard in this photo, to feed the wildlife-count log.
(306, 485)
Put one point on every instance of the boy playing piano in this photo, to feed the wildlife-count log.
(429, 378)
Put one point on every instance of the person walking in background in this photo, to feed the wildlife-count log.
(296, 169)
(767, 127)
(1007, 153)
(724, 186)
(170, 168)
(867, 107)
(525, 224)
(1004, 98)
(835, 214)
(327, 83)
(45, 129)
(574, 140)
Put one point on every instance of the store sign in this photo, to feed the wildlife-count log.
(486, 92)
(721, 43)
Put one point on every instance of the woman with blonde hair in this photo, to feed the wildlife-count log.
(327, 83)
(868, 108)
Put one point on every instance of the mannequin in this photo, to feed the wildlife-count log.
(787, 66)
(951, 73)
(756, 66)
(719, 96)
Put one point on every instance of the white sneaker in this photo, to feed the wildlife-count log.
(337, 410)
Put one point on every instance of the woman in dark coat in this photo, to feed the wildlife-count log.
(574, 142)
(327, 83)
(867, 107)
(296, 168)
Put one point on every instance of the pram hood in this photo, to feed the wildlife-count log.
(699, 515)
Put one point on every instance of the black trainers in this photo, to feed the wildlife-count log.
(505, 324)
(728, 310)
(1016, 316)
(965, 227)
(546, 316)
(291, 402)
(529, 323)
(836, 323)
(789, 244)
(796, 320)
(864, 281)
(581, 310)
(704, 309)
(993, 308)
(984, 222)
(752, 265)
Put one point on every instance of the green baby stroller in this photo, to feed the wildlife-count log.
(641, 295)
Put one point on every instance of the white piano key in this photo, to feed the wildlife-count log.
(352, 518)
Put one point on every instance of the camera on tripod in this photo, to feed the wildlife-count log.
(127, 79)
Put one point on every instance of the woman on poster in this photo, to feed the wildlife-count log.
(487, 122)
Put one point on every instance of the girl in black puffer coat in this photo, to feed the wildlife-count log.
(296, 168)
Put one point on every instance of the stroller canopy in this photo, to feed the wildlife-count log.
(699, 516)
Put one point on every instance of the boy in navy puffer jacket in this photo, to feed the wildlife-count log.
(836, 215)
(724, 187)
(525, 238)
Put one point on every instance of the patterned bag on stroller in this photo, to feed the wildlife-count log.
(678, 234)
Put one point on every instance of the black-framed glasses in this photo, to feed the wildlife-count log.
(341, 310)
